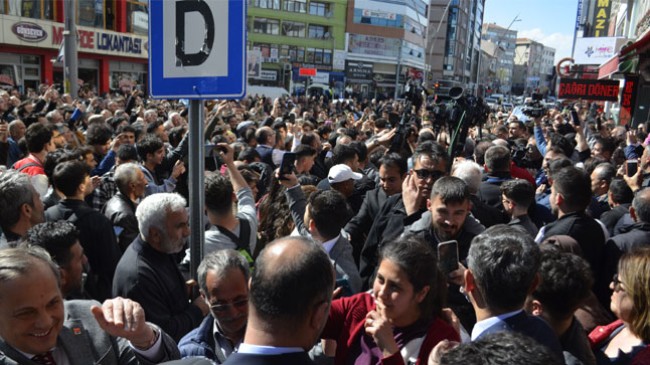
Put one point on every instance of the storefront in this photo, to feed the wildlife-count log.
(107, 60)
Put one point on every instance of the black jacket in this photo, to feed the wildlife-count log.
(98, 240)
(586, 231)
(388, 225)
(121, 212)
(152, 279)
(611, 217)
(635, 236)
(359, 226)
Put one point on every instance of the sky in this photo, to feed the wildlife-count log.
(550, 22)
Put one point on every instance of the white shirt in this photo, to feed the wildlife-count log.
(247, 348)
(482, 326)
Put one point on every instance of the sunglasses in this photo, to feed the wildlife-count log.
(425, 174)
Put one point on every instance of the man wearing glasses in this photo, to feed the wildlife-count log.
(223, 282)
(401, 210)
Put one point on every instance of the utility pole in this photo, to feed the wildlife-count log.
(70, 63)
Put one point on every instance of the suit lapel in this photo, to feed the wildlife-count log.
(74, 340)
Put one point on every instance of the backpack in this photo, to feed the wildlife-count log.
(242, 241)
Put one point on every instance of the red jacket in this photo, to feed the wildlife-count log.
(346, 325)
(35, 166)
(602, 333)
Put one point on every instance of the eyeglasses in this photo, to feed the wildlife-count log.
(618, 285)
(425, 174)
(221, 308)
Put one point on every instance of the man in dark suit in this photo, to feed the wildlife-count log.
(38, 327)
(321, 219)
(502, 267)
(290, 296)
(265, 138)
(392, 171)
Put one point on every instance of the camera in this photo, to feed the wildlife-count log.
(534, 108)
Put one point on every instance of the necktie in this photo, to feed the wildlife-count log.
(45, 358)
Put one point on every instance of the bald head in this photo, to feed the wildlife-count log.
(292, 276)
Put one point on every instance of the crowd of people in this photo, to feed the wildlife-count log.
(337, 232)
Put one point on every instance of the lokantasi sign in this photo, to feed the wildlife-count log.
(595, 90)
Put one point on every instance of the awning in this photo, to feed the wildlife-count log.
(642, 42)
(608, 68)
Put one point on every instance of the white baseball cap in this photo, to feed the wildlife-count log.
(342, 172)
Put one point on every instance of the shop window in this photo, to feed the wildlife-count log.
(137, 17)
(36, 9)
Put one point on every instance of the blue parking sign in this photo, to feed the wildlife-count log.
(197, 49)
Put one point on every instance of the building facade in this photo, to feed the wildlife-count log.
(533, 67)
(112, 45)
(454, 48)
(287, 35)
(507, 39)
(385, 39)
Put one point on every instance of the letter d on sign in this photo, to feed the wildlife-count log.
(193, 59)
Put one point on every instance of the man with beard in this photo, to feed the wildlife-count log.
(448, 219)
(223, 282)
(147, 272)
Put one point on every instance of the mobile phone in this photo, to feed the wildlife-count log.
(631, 167)
(448, 256)
(209, 147)
(286, 166)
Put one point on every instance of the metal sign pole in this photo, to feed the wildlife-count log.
(196, 184)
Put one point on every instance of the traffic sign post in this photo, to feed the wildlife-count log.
(197, 50)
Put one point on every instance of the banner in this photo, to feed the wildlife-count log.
(628, 99)
(600, 20)
(594, 90)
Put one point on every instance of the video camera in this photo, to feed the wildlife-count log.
(534, 108)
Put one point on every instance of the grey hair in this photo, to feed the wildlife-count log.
(18, 261)
(152, 211)
(221, 261)
(469, 172)
(15, 190)
(124, 175)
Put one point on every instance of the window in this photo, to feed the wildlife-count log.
(267, 4)
(310, 55)
(266, 26)
(318, 31)
(320, 9)
(296, 6)
(137, 16)
(293, 29)
(36, 9)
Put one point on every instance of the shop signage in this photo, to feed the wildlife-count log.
(29, 32)
(596, 50)
(374, 45)
(269, 75)
(628, 99)
(360, 72)
(594, 90)
(367, 13)
(600, 21)
(307, 71)
(49, 35)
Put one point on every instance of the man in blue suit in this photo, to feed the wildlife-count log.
(502, 268)
(290, 296)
